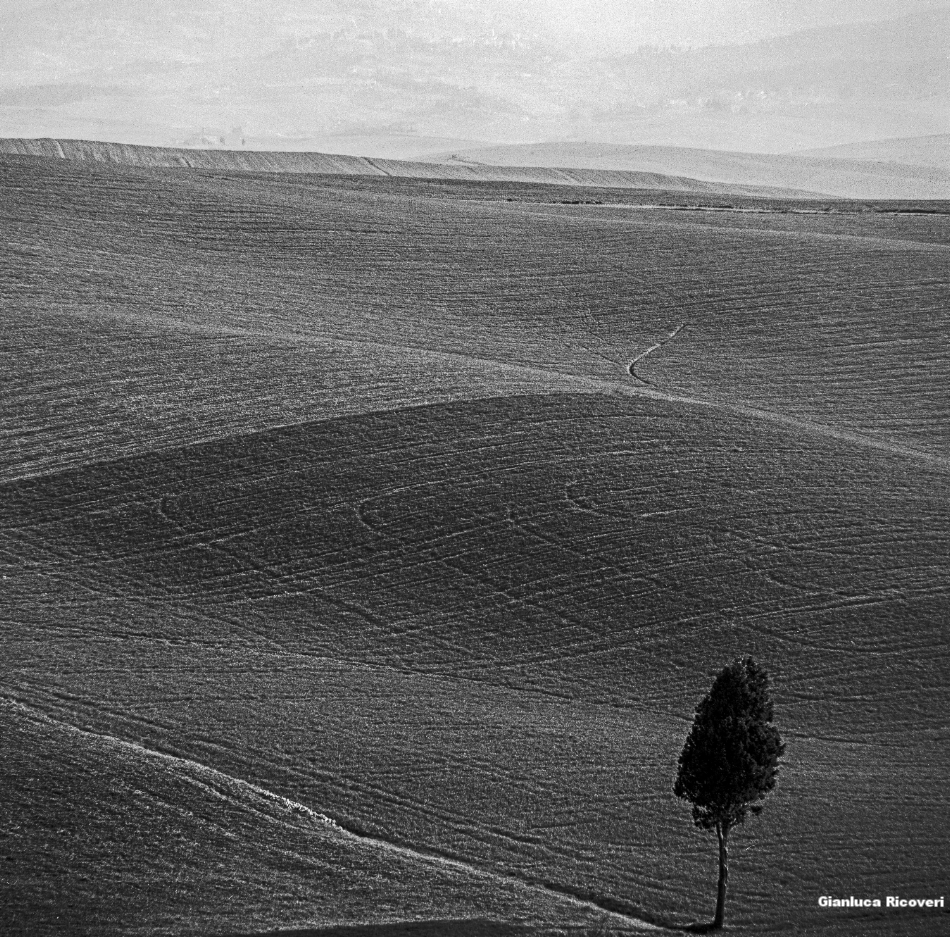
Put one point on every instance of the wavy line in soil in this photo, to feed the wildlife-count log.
(632, 367)
(573, 383)
(219, 781)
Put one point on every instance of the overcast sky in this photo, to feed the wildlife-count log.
(294, 70)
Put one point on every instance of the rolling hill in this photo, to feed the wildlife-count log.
(857, 177)
(367, 542)
(335, 164)
(170, 843)
(670, 169)
(933, 151)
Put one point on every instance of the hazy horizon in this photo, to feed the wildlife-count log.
(754, 75)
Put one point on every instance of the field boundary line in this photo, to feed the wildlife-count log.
(572, 214)
(569, 383)
(578, 383)
(195, 771)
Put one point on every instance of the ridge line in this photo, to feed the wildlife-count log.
(609, 386)
(581, 385)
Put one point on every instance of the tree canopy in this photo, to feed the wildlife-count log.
(730, 760)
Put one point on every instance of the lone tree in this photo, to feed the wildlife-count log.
(730, 759)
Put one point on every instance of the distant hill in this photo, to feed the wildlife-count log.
(335, 164)
(933, 151)
(845, 178)
(666, 168)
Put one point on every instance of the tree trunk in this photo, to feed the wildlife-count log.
(722, 831)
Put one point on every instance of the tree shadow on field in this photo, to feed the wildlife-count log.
(470, 927)
(679, 926)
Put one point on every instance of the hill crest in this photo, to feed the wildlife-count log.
(336, 164)
(843, 174)
(932, 150)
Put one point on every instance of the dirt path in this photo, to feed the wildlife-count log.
(631, 368)
(549, 381)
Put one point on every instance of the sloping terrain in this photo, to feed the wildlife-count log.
(122, 839)
(483, 288)
(859, 176)
(932, 150)
(430, 508)
(331, 164)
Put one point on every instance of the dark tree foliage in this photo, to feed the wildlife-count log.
(730, 760)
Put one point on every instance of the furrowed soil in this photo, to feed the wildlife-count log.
(367, 544)
(335, 164)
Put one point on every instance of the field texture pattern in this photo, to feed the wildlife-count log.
(366, 545)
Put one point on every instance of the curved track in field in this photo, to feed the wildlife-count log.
(557, 380)
(632, 367)
(275, 808)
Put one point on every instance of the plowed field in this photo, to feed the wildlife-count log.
(366, 545)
